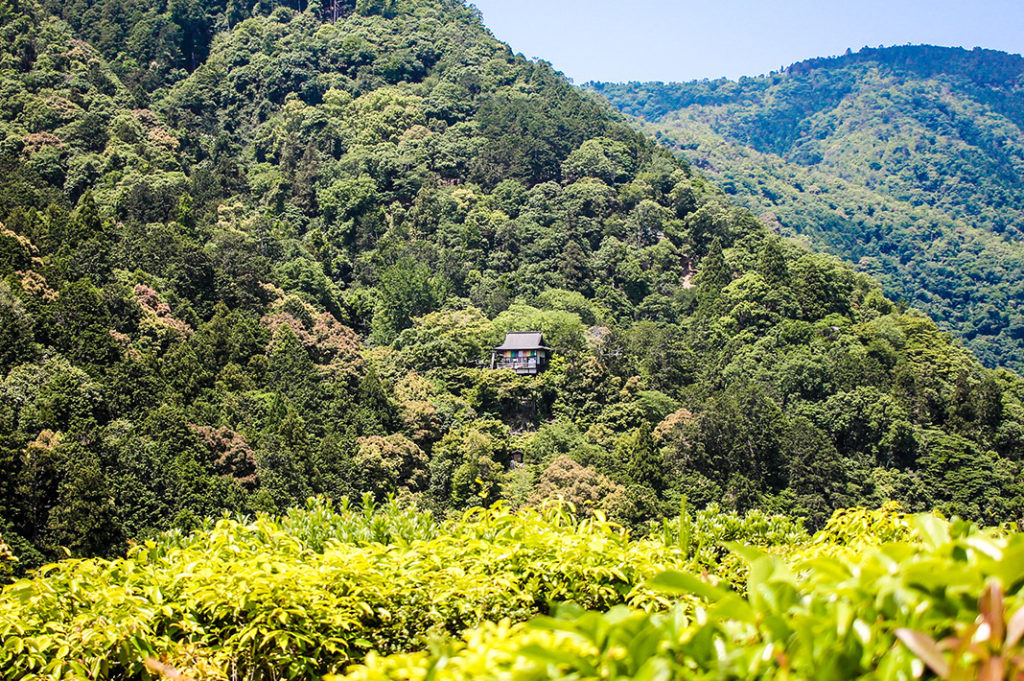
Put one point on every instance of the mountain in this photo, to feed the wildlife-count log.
(274, 264)
(907, 161)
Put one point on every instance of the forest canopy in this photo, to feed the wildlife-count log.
(271, 261)
(905, 161)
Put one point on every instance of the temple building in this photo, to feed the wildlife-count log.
(523, 351)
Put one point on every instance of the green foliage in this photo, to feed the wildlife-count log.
(7, 557)
(903, 160)
(862, 610)
(317, 589)
(254, 252)
(405, 293)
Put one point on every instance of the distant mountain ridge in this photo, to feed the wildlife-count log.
(989, 68)
(984, 67)
(906, 160)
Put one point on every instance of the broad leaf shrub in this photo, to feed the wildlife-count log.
(859, 526)
(7, 559)
(840, 608)
(313, 591)
(704, 535)
(990, 648)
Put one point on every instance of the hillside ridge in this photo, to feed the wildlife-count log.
(863, 155)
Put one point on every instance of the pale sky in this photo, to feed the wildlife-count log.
(690, 39)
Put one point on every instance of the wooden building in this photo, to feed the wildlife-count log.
(523, 351)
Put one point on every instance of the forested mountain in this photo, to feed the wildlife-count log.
(269, 260)
(907, 161)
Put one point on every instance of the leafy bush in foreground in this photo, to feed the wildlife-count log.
(313, 591)
(6, 559)
(875, 594)
(862, 609)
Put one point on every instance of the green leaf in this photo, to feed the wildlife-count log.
(934, 531)
(654, 669)
(675, 582)
(22, 590)
(746, 552)
(733, 607)
(558, 658)
(1011, 568)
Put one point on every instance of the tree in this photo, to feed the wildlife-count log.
(289, 367)
(466, 464)
(815, 473)
(966, 481)
(713, 275)
(78, 324)
(819, 287)
(642, 464)
(404, 292)
(15, 330)
(83, 517)
(385, 465)
(582, 486)
(574, 266)
(601, 158)
(772, 264)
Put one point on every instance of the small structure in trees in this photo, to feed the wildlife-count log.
(523, 351)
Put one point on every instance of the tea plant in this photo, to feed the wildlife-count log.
(7, 559)
(990, 648)
(820, 613)
(311, 592)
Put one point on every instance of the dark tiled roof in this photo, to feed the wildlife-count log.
(523, 340)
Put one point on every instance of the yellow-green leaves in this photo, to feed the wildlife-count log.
(312, 592)
(319, 590)
(928, 598)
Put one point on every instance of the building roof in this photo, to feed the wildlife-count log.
(523, 340)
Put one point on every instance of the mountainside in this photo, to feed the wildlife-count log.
(907, 161)
(278, 268)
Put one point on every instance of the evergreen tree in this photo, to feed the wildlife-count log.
(78, 324)
(404, 292)
(15, 330)
(772, 265)
(644, 465)
(84, 519)
(289, 367)
(712, 276)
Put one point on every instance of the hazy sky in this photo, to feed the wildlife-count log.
(688, 39)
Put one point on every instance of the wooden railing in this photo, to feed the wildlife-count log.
(518, 363)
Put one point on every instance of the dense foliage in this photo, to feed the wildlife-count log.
(391, 593)
(944, 597)
(908, 161)
(283, 277)
(306, 594)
